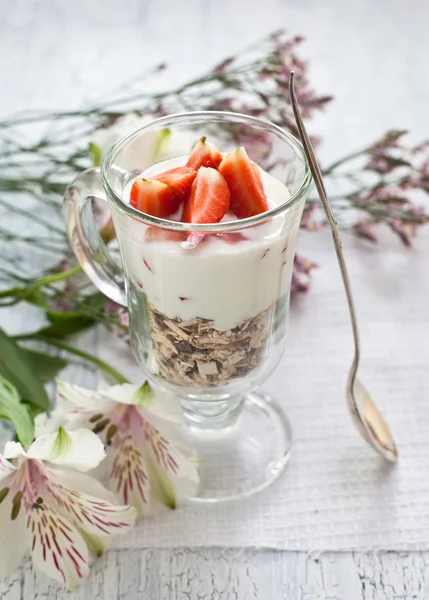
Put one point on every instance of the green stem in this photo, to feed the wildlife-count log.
(58, 276)
(81, 353)
(49, 279)
(343, 160)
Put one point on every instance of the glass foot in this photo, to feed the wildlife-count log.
(244, 457)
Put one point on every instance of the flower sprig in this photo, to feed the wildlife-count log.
(379, 185)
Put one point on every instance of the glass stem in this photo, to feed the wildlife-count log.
(202, 413)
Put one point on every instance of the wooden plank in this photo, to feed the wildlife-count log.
(218, 574)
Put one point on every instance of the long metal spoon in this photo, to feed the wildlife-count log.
(365, 414)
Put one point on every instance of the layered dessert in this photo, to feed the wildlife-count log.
(206, 304)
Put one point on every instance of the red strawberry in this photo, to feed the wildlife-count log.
(180, 179)
(245, 184)
(204, 154)
(209, 198)
(156, 234)
(154, 198)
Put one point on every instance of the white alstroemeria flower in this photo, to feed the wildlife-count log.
(154, 146)
(48, 506)
(148, 463)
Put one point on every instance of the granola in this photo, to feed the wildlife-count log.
(195, 354)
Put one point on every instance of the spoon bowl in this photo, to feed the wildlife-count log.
(369, 420)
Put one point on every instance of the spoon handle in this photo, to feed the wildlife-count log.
(318, 180)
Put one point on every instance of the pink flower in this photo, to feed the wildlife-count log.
(390, 140)
(405, 231)
(364, 229)
(119, 313)
(384, 163)
(421, 178)
(308, 222)
(50, 507)
(385, 195)
(148, 462)
(222, 67)
(301, 274)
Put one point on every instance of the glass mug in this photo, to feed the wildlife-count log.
(208, 303)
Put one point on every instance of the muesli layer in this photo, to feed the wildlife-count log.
(194, 354)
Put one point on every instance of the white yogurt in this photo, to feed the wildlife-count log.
(224, 282)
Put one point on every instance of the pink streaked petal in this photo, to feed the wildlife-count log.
(127, 474)
(173, 471)
(56, 546)
(93, 514)
(79, 404)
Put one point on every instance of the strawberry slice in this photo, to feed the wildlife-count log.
(231, 237)
(154, 198)
(156, 234)
(180, 179)
(209, 198)
(204, 154)
(245, 184)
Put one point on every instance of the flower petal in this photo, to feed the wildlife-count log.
(165, 406)
(13, 450)
(153, 400)
(6, 469)
(142, 147)
(173, 474)
(49, 423)
(80, 404)
(80, 449)
(81, 482)
(11, 553)
(57, 548)
(93, 514)
(128, 393)
(128, 475)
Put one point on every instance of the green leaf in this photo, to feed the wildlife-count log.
(44, 365)
(12, 409)
(95, 152)
(33, 295)
(16, 367)
(65, 325)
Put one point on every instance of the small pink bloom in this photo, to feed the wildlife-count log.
(364, 229)
(301, 273)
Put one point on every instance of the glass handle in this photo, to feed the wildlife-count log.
(85, 238)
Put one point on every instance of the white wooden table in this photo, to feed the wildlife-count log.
(372, 55)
